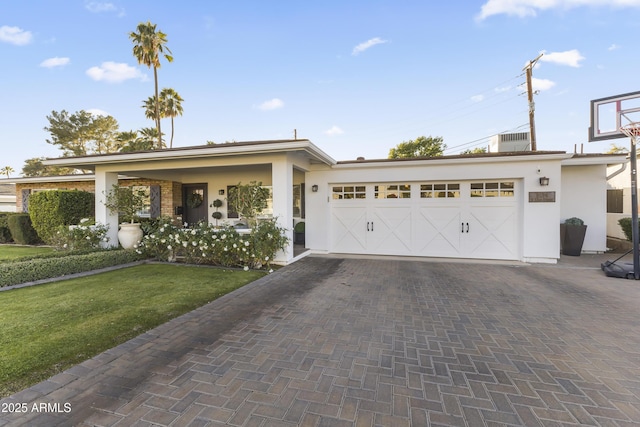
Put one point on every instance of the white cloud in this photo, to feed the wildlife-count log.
(524, 8)
(272, 104)
(541, 84)
(112, 72)
(97, 112)
(477, 98)
(15, 35)
(503, 89)
(334, 131)
(54, 62)
(103, 7)
(99, 6)
(571, 58)
(614, 47)
(366, 45)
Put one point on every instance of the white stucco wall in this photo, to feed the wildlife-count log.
(538, 224)
(621, 181)
(584, 195)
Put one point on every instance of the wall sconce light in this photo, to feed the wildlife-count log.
(544, 181)
(314, 188)
(221, 192)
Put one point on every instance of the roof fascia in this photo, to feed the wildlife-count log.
(89, 162)
(454, 161)
(596, 160)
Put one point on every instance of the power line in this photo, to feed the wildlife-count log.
(484, 138)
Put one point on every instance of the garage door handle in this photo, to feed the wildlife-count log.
(371, 225)
(367, 225)
(467, 227)
(462, 227)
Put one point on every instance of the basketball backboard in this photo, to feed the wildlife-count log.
(609, 114)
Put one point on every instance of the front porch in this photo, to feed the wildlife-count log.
(209, 172)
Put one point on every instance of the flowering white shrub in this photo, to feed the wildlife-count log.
(207, 244)
(85, 236)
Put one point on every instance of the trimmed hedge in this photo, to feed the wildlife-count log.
(5, 234)
(21, 229)
(51, 209)
(625, 224)
(46, 268)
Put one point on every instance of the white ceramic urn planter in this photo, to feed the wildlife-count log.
(129, 235)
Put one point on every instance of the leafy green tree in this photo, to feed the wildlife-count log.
(476, 150)
(34, 167)
(149, 45)
(419, 147)
(7, 170)
(617, 149)
(82, 133)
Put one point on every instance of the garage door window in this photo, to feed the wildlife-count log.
(396, 191)
(349, 192)
(439, 191)
(492, 189)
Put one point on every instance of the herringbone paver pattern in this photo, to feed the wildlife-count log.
(362, 342)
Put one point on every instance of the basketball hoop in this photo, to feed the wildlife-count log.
(632, 130)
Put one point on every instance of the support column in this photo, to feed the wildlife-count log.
(282, 185)
(104, 184)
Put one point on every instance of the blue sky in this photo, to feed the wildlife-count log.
(355, 77)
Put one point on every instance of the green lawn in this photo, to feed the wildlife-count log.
(12, 252)
(46, 329)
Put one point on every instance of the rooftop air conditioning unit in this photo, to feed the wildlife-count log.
(507, 142)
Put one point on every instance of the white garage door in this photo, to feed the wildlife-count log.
(452, 219)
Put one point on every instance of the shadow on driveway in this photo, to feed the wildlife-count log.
(390, 342)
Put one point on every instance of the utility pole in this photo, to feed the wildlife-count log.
(532, 107)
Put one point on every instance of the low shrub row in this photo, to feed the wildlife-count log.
(45, 268)
(208, 244)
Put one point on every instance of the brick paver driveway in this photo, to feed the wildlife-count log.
(365, 342)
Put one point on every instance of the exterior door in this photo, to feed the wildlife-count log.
(194, 203)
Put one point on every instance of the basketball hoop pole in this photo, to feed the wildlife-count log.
(634, 210)
(633, 130)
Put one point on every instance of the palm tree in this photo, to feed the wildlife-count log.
(146, 139)
(149, 106)
(149, 45)
(7, 170)
(171, 107)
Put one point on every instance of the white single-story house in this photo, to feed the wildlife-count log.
(505, 205)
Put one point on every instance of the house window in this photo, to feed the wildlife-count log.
(231, 205)
(145, 212)
(615, 201)
(439, 191)
(268, 211)
(396, 191)
(349, 192)
(298, 201)
(232, 212)
(492, 189)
